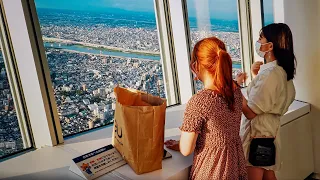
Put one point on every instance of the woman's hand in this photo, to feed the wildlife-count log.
(241, 78)
(172, 144)
(256, 67)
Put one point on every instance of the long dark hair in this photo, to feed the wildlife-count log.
(281, 37)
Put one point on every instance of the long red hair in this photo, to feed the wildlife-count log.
(211, 54)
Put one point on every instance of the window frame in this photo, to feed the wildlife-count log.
(247, 42)
(256, 25)
(33, 78)
(183, 39)
(262, 12)
(173, 28)
(167, 59)
(167, 52)
(15, 86)
(181, 43)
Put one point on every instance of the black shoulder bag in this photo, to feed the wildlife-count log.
(262, 151)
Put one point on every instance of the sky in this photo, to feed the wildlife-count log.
(268, 10)
(218, 9)
(97, 5)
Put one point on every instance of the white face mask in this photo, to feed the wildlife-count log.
(259, 52)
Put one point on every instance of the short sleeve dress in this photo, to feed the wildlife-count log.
(269, 96)
(218, 153)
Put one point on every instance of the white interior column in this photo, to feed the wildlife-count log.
(303, 19)
(256, 25)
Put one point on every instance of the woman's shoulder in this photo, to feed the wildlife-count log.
(202, 102)
(273, 73)
(203, 97)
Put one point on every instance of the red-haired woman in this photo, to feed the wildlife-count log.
(212, 117)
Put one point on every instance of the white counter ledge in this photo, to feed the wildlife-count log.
(54, 162)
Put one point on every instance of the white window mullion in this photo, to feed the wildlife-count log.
(256, 22)
(166, 49)
(278, 11)
(245, 37)
(33, 78)
(13, 79)
(180, 38)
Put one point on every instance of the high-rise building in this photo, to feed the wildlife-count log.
(96, 93)
(86, 101)
(102, 115)
(84, 87)
(3, 73)
(160, 82)
(104, 60)
(128, 61)
(91, 124)
(136, 65)
(92, 107)
(5, 102)
(66, 88)
(10, 145)
(102, 91)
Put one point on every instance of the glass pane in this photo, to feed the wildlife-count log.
(217, 18)
(11, 139)
(267, 12)
(93, 45)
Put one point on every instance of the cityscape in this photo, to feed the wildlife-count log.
(10, 136)
(83, 83)
(87, 58)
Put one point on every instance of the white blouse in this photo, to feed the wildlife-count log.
(269, 96)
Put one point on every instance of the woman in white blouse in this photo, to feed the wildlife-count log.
(269, 96)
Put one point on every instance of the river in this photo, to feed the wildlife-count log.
(85, 49)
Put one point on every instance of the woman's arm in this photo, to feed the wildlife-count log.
(187, 142)
(186, 145)
(193, 120)
(248, 113)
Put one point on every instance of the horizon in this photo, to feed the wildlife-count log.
(268, 17)
(116, 10)
(226, 9)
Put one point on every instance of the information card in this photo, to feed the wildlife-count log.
(97, 163)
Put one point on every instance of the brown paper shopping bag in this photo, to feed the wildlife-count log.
(138, 132)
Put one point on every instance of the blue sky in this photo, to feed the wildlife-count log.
(219, 9)
(268, 10)
(130, 5)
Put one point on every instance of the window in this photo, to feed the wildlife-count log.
(267, 12)
(14, 125)
(10, 135)
(92, 46)
(217, 18)
(14, 135)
